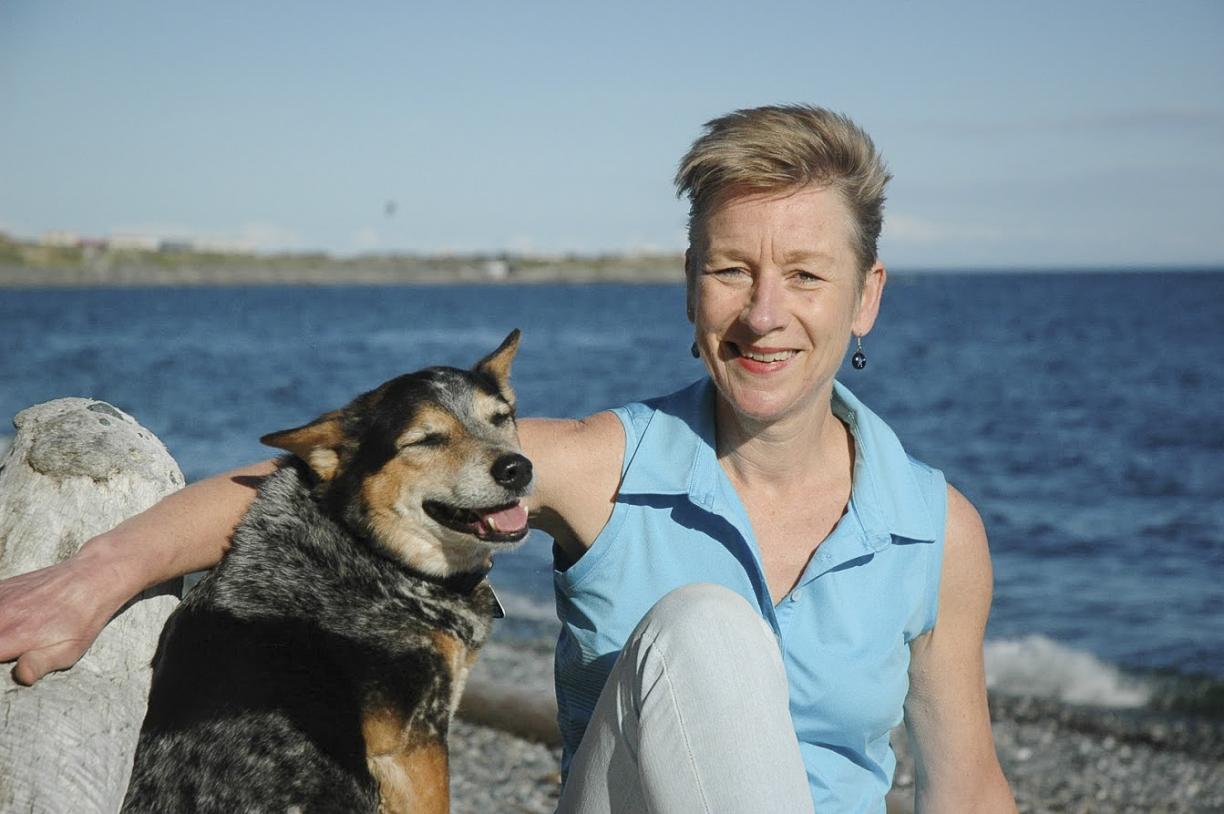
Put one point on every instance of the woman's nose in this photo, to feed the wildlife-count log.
(764, 312)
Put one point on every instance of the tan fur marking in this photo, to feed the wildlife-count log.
(381, 490)
(461, 452)
(381, 493)
(385, 731)
(416, 780)
(324, 462)
(403, 536)
(489, 406)
(458, 659)
(449, 647)
(427, 419)
(449, 458)
(315, 443)
(498, 363)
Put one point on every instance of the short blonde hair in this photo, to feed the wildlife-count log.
(780, 148)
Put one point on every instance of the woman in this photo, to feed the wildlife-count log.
(754, 580)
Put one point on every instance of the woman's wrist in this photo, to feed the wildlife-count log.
(115, 570)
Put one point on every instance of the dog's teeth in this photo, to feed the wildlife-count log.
(510, 519)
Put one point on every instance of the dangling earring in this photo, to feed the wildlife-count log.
(859, 359)
(693, 350)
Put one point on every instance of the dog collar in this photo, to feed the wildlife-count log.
(463, 584)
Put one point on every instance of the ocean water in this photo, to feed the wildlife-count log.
(1081, 412)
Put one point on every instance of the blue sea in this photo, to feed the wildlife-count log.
(1081, 412)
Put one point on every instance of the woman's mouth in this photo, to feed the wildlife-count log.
(759, 359)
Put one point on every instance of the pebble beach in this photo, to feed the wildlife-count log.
(1057, 757)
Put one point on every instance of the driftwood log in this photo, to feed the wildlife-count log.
(525, 711)
(75, 468)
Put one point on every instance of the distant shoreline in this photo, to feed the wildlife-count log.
(127, 269)
(274, 271)
(111, 264)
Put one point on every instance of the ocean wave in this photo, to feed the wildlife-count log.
(5, 442)
(1033, 666)
(1038, 666)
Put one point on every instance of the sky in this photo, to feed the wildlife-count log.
(1020, 134)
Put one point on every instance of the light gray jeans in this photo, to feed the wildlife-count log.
(694, 718)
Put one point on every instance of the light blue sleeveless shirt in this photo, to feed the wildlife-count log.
(844, 630)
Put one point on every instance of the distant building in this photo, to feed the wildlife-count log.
(137, 243)
(60, 239)
(496, 269)
(218, 246)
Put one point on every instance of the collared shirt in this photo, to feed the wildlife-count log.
(870, 588)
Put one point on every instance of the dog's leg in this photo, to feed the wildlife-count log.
(415, 780)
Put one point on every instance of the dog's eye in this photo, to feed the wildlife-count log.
(432, 439)
(501, 418)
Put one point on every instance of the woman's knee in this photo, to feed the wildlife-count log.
(707, 621)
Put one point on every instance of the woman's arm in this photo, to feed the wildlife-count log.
(577, 473)
(49, 617)
(946, 713)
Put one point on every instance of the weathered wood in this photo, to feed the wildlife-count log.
(526, 711)
(75, 468)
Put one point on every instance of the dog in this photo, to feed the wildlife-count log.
(317, 668)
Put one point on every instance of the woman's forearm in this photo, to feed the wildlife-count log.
(49, 617)
(184, 532)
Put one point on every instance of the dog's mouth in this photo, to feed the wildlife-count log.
(500, 524)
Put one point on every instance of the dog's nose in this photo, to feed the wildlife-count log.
(512, 471)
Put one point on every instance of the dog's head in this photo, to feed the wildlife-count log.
(427, 466)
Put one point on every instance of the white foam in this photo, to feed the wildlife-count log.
(5, 443)
(1036, 665)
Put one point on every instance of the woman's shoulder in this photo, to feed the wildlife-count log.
(557, 444)
(965, 534)
(577, 464)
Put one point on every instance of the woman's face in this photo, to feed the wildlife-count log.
(774, 297)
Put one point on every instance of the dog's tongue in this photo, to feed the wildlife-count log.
(513, 518)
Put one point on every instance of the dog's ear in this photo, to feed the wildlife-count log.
(497, 363)
(317, 443)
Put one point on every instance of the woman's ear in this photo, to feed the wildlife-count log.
(869, 299)
(690, 286)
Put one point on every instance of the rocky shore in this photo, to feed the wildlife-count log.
(1058, 758)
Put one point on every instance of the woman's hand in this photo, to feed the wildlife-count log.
(49, 617)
